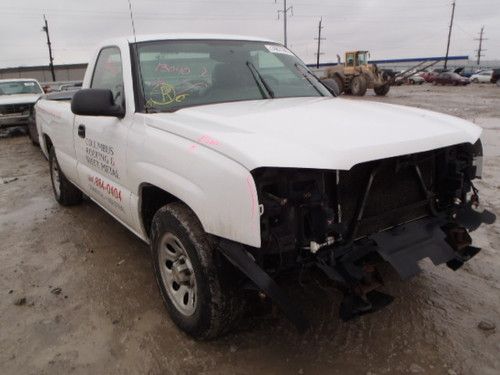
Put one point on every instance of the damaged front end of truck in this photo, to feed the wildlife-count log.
(343, 222)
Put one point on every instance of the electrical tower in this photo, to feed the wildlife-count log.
(284, 12)
(480, 49)
(449, 34)
(319, 39)
(45, 28)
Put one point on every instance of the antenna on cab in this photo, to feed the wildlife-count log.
(141, 81)
(132, 19)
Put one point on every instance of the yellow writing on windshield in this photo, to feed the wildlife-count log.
(165, 94)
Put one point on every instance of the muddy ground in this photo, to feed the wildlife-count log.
(91, 304)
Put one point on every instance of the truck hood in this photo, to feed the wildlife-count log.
(321, 133)
(19, 99)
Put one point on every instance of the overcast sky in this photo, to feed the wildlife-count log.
(388, 28)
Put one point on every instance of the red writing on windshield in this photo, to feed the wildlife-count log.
(173, 69)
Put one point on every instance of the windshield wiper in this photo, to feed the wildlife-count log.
(261, 83)
(306, 73)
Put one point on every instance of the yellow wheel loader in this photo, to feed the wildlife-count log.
(356, 75)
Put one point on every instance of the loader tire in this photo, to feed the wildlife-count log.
(382, 90)
(358, 86)
(340, 83)
(331, 85)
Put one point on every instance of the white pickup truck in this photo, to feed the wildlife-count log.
(237, 165)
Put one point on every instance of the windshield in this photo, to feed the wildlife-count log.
(178, 74)
(362, 60)
(19, 87)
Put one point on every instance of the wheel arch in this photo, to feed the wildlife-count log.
(46, 145)
(227, 208)
(151, 199)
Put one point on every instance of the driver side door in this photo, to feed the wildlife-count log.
(100, 141)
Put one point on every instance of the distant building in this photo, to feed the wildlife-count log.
(67, 72)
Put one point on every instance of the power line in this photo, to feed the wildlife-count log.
(45, 28)
(285, 16)
(480, 49)
(319, 39)
(449, 33)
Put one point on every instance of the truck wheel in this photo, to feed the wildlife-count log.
(197, 292)
(382, 90)
(358, 86)
(65, 192)
(32, 131)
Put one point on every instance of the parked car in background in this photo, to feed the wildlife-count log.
(426, 76)
(429, 76)
(416, 79)
(495, 77)
(450, 78)
(70, 86)
(467, 71)
(17, 98)
(482, 77)
(57, 86)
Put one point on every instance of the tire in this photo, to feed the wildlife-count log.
(33, 133)
(382, 90)
(196, 284)
(340, 83)
(65, 192)
(411, 81)
(331, 85)
(358, 86)
(475, 80)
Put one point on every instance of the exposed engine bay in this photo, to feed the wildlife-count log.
(401, 210)
(306, 210)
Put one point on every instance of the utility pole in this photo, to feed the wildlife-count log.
(285, 15)
(319, 39)
(45, 28)
(480, 49)
(449, 34)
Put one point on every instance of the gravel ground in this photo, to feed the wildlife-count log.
(77, 292)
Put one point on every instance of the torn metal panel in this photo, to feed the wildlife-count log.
(239, 257)
(404, 246)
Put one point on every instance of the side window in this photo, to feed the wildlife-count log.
(350, 59)
(108, 73)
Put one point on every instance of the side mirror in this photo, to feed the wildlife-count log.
(331, 85)
(96, 102)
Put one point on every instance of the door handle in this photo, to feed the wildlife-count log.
(81, 131)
